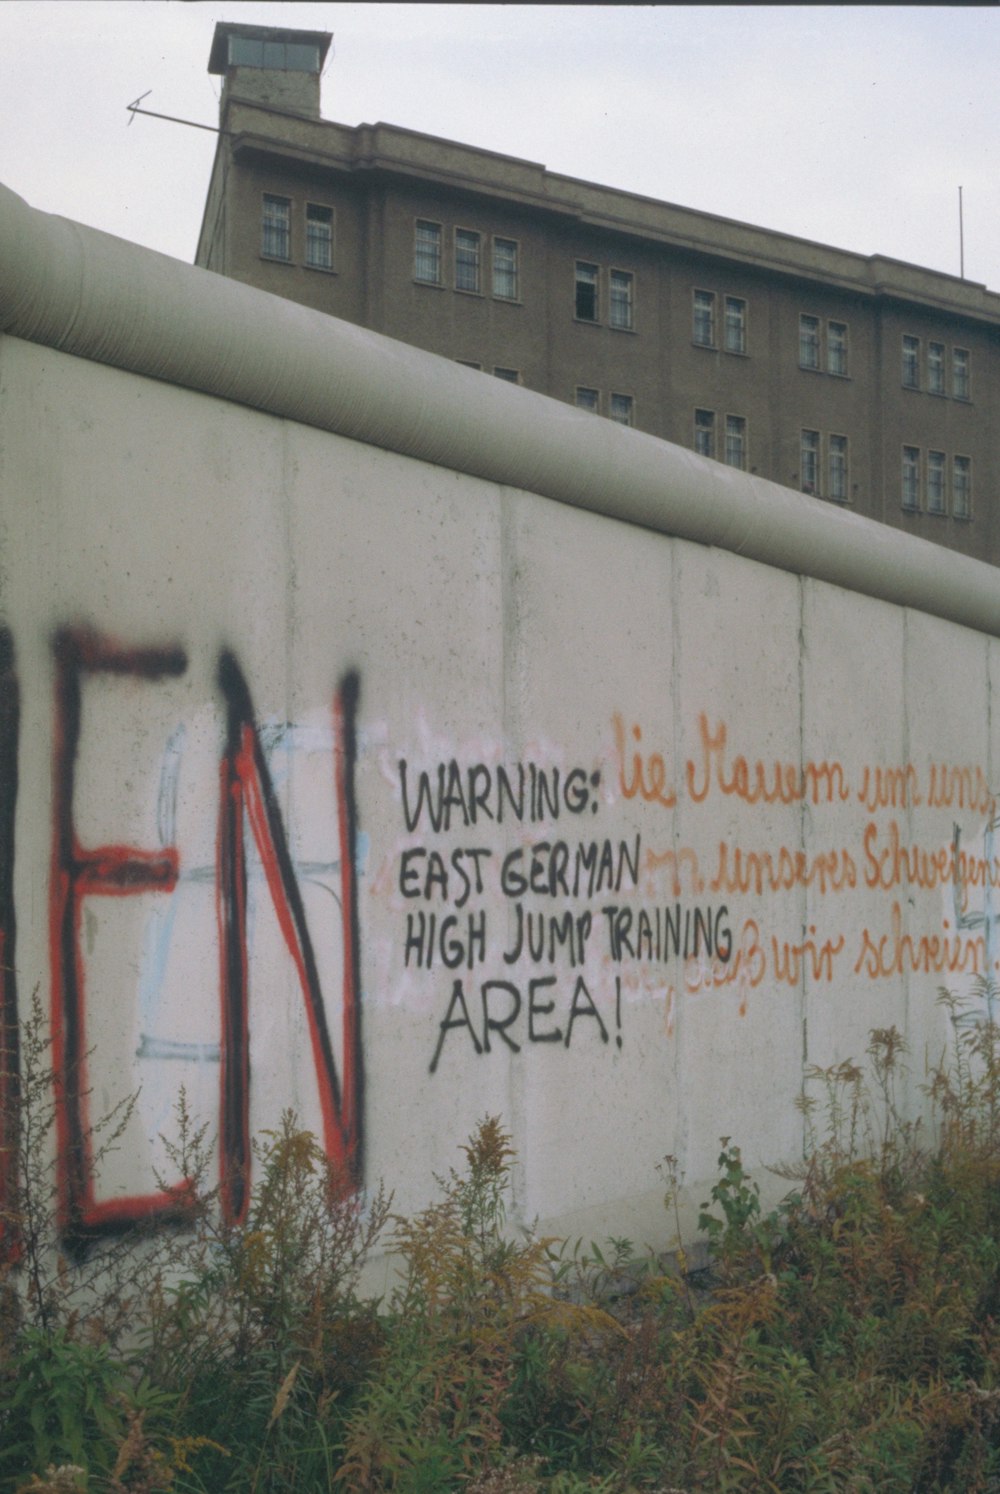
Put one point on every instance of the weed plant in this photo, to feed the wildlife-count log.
(846, 1340)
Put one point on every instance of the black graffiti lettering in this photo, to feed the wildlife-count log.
(673, 932)
(450, 795)
(584, 1008)
(494, 1024)
(448, 940)
(541, 1009)
(450, 1023)
(423, 872)
(536, 932)
(598, 866)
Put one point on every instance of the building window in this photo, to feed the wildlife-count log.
(511, 375)
(319, 236)
(911, 477)
(427, 252)
(620, 300)
(736, 441)
(586, 292)
(809, 342)
(836, 348)
(704, 432)
(809, 462)
(960, 373)
(467, 260)
(505, 271)
(467, 363)
(911, 362)
(703, 332)
(588, 399)
(276, 228)
(622, 409)
(838, 474)
(935, 368)
(935, 482)
(961, 487)
(736, 325)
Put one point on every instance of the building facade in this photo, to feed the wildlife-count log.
(860, 380)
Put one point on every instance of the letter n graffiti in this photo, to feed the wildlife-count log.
(248, 797)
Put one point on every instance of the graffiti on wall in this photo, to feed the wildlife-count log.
(533, 922)
(81, 872)
(535, 901)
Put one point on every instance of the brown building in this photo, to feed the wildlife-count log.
(864, 381)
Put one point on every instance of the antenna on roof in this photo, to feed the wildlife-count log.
(133, 110)
(961, 237)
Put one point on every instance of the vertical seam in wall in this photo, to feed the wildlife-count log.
(803, 813)
(681, 1141)
(511, 741)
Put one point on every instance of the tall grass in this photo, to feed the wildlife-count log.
(848, 1339)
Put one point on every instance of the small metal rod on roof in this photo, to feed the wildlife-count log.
(961, 237)
(133, 110)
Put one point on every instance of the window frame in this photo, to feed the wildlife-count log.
(910, 355)
(418, 224)
(909, 467)
(309, 263)
(629, 422)
(707, 427)
(936, 367)
(628, 277)
(271, 199)
(744, 439)
(809, 321)
(477, 263)
(742, 325)
(810, 455)
(498, 295)
(591, 409)
(508, 375)
(938, 468)
(709, 309)
(966, 393)
(963, 511)
(842, 344)
(843, 455)
(594, 285)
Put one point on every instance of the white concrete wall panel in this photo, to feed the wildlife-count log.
(337, 778)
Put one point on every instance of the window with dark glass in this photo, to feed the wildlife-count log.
(620, 300)
(838, 476)
(961, 487)
(586, 292)
(319, 236)
(736, 441)
(622, 409)
(936, 500)
(736, 325)
(911, 477)
(467, 252)
(809, 462)
(703, 329)
(935, 368)
(704, 432)
(836, 348)
(960, 373)
(505, 269)
(276, 228)
(808, 341)
(588, 399)
(911, 362)
(510, 375)
(427, 252)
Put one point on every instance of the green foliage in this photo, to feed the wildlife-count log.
(848, 1340)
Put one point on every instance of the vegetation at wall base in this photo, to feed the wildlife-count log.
(848, 1339)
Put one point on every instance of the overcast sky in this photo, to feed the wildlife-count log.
(852, 126)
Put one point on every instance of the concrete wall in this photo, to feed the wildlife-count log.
(411, 747)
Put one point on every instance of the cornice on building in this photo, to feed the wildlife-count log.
(393, 152)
